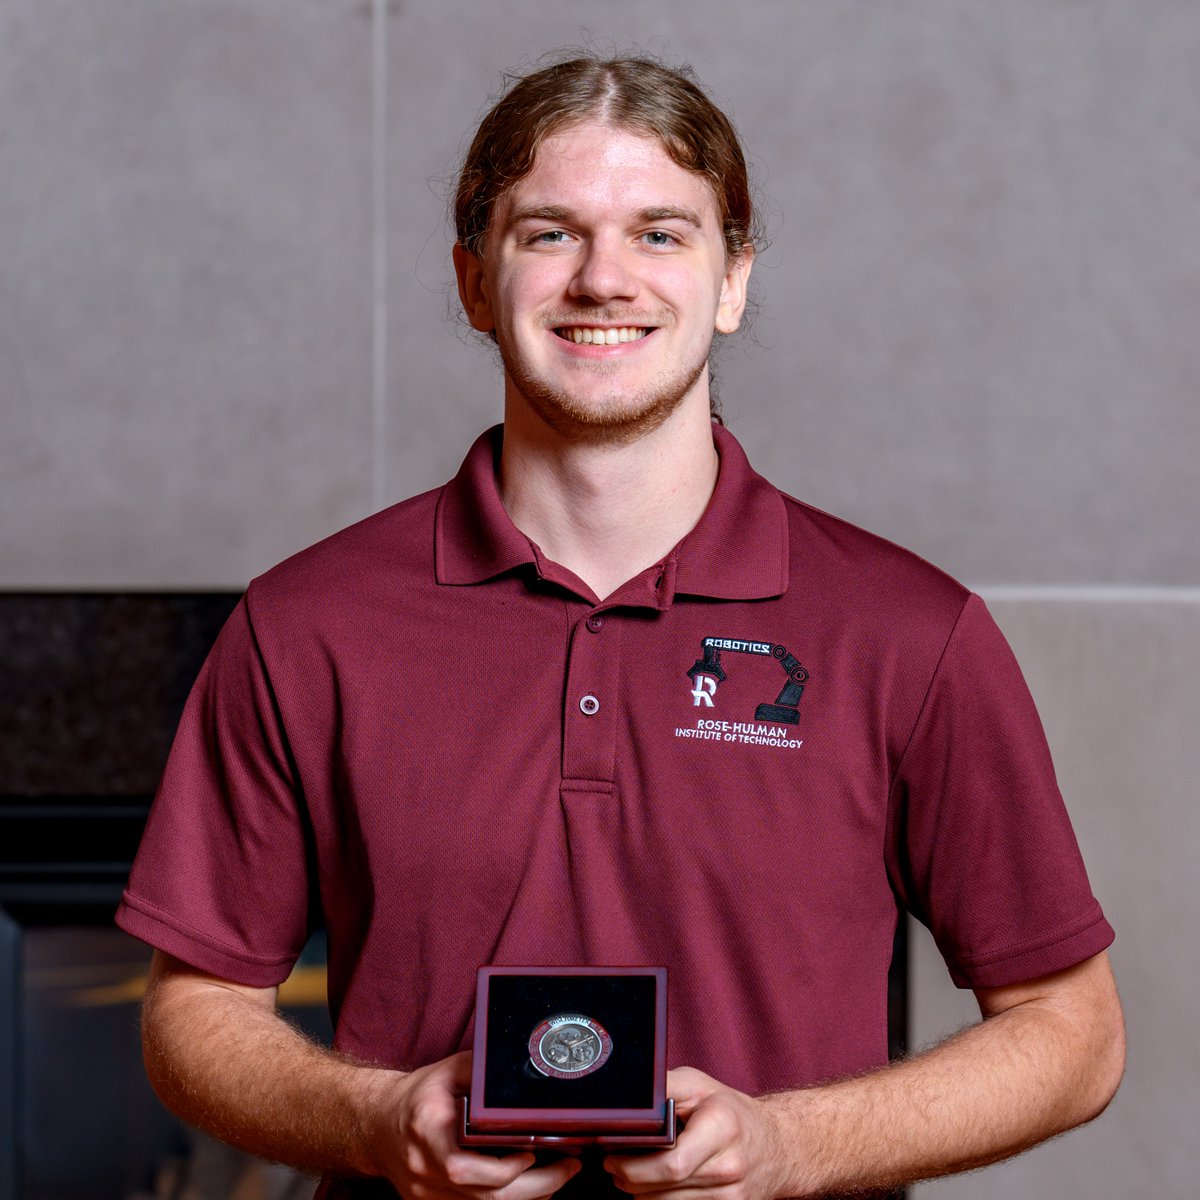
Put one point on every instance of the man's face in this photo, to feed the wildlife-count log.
(604, 277)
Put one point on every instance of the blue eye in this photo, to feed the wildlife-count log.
(658, 237)
(553, 237)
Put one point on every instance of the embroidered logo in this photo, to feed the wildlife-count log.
(707, 674)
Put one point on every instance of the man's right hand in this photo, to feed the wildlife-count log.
(220, 1056)
(416, 1146)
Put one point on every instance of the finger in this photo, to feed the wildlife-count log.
(458, 1070)
(469, 1170)
(697, 1145)
(667, 1192)
(704, 1181)
(541, 1181)
(689, 1088)
(656, 1172)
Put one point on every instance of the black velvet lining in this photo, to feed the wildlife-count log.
(623, 1004)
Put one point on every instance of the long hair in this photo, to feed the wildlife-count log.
(629, 93)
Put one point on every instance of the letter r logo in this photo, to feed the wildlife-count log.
(705, 689)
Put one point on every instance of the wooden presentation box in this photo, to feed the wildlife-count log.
(569, 1056)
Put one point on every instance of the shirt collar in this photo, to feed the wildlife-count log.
(739, 548)
(737, 551)
(474, 539)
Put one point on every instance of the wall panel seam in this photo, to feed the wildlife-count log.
(379, 264)
(1087, 593)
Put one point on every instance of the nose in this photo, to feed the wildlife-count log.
(604, 272)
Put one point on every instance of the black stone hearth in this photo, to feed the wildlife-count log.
(91, 688)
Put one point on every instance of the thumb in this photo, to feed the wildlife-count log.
(457, 1069)
(689, 1088)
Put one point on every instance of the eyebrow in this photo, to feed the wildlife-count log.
(539, 212)
(555, 212)
(686, 215)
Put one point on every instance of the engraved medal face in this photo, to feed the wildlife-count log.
(569, 1046)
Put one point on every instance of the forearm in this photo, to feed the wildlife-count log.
(235, 1068)
(1023, 1075)
(221, 1057)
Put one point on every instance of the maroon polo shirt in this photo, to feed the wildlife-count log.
(743, 764)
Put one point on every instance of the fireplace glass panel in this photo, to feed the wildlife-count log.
(91, 1127)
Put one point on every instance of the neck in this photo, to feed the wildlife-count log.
(608, 511)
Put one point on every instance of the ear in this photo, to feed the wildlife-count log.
(733, 292)
(472, 289)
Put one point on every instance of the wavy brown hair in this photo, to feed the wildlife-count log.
(629, 93)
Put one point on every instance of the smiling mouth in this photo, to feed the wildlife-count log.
(594, 336)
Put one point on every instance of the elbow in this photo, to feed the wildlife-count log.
(170, 1030)
(1112, 1070)
(155, 1055)
(1104, 1069)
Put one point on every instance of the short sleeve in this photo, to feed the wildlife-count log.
(980, 847)
(220, 879)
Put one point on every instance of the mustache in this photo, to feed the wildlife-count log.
(605, 316)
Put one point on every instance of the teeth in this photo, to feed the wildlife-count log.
(603, 337)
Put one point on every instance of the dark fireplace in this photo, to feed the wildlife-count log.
(91, 688)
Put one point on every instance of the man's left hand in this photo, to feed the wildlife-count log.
(730, 1146)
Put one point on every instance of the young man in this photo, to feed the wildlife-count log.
(609, 697)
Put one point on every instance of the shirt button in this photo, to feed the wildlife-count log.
(589, 706)
(595, 624)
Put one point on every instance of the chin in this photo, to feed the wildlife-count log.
(614, 418)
